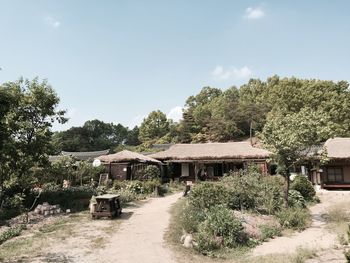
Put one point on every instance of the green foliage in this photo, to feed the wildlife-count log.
(127, 196)
(294, 217)
(154, 127)
(295, 199)
(94, 135)
(206, 195)
(219, 229)
(269, 231)
(304, 187)
(27, 114)
(244, 188)
(11, 232)
(75, 198)
(191, 217)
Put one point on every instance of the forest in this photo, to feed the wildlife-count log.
(216, 115)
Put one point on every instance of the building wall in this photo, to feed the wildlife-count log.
(346, 172)
(119, 171)
(345, 165)
(185, 169)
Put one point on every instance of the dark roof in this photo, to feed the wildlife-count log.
(81, 156)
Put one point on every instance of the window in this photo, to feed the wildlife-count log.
(334, 174)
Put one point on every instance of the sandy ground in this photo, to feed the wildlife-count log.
(140, 239)
(135, 237)
(317, 236)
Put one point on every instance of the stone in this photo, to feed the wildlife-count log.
(188, 241)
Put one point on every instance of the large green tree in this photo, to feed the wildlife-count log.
(29, 109)
(94, 135)
(303, 114)
(154, 127)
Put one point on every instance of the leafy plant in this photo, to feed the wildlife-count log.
(304, 187)
(296, 199)
(11, 232)
(294, 217)
(219, 229)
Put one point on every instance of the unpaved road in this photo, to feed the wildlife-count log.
(140, 238)
(317, 236)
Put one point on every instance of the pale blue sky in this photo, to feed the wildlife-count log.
(119, 60)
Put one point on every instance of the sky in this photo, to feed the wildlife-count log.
(118, 60)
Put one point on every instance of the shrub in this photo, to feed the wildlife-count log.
(150, 186)
(152, 172)
(207, 194)
(304, 187)
(272, 195)
(191, 217)
(294, 217)
(75, 198)
(127, 196)
(11, 232)
(269, 231)
(295, 199)
(135, 187)
(220, 228)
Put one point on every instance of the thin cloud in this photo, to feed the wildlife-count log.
(254, 13)
(232, 73)
(52, 22)
(175, 114)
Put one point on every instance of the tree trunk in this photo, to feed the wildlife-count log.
(286, 195)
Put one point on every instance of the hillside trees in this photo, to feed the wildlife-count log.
(94, 135)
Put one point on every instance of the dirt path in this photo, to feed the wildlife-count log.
(317, 236)
(140, 238)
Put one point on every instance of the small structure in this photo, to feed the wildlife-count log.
(335, 173)
(123, 165)
(211, 160)
(107, 205)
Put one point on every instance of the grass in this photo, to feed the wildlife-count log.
(337, 214)
(31, 243)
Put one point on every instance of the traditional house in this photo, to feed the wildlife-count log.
(335, 173)
(80, 156)
(125, 164)
(191, 161)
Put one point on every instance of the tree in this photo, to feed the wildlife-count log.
(289, 137)
(154, 127)
(94, 135)
(132, 137)
(26, 123)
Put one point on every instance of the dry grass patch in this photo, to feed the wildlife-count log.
(32, 241)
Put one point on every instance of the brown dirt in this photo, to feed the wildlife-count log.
(135, 237)
(317, 236)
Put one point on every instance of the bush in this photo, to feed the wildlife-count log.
(75, 198)
(295, 199)
(272, 195)
(127, 196)
(191, 217)
(207, 194)
(219, 229)
(150, 186)
(304, 187)
(11, 232)
(135, 187)
(269, 231)
(294, 217)
(152, 172)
